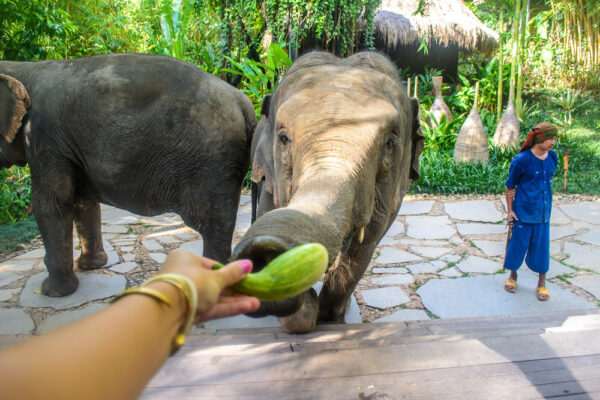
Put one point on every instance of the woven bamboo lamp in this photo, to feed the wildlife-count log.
(439, 106)
(471, 143)
(507, 131)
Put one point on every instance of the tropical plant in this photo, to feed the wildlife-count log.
(34, 30)
(15, 194)
(567, 101)
(442, 136)
(260, 78)
(174, 18)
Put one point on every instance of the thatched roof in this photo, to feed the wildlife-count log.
(446, 22)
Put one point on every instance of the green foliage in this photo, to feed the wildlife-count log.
(18, 232)
(174, 21)
(442, 137)
(259, 78)
(15, 194)
(34, 30)
(567, 100)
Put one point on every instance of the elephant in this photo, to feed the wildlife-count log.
(148, 134)
(332, 158)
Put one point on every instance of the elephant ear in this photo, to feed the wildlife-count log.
(417, 140)
(14, 102)
(262, 150)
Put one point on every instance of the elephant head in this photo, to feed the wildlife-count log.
(332, 158)
(14, 102)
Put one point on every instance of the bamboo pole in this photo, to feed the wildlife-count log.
(515, 49)
(500, 66)
(522, 34)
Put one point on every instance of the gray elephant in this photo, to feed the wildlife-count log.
(332, 159)
(148, 134)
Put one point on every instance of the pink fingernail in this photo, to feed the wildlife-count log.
(246, 266)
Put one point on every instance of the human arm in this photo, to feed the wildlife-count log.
(114, 353)
(510, 195)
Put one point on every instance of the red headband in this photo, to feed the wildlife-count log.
(538, 134)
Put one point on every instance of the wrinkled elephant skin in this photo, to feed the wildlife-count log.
(332, 158)
(148, 134)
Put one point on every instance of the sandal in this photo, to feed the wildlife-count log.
(542, 293)
(510, 285)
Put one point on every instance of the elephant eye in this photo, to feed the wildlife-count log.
(391, 143)
(283, 138)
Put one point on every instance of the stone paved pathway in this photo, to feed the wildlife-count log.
(441, 258)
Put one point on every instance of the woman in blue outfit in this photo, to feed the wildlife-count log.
(531, 173)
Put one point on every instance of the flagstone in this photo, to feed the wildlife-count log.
(422, 268)
(389, 270)
(7, 294)
(15, 322)
(588, 211)
(416, 207)
(152, 245)
(391, 255)
(167, 239)
(475, 264)
(6, 278)
(591, 237)
(67, 317)
(481, 229)
(473, 210)
(395, 229)
(116, 216)
(430, 227)
(113, 229)
(158, 257)
(33, 254)
(195, 246)
(491, 248)
(589, 283)
(167, 219)
(15, 265)
(450, 272)
(480, 296)
(124, 268)
(582, 256)
(384, 297)
(430, 252)
(557, 232)
(393, 279)
(92, 286)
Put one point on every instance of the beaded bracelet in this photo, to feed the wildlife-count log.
(186, 286)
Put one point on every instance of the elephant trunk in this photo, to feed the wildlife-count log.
(316, 213)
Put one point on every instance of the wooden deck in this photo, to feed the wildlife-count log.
(555, 355)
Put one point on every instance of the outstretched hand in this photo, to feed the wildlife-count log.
(215, 299)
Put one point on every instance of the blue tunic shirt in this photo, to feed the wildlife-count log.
(533, 178)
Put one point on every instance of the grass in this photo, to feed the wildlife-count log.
(18, 232)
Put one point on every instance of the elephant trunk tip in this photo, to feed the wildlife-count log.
(260, 250)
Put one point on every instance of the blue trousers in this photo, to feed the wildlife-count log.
(530, 239)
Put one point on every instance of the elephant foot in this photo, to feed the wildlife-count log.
(60, 286)
(305, 318)
(91, 261)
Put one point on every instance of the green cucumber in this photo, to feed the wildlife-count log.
(287, 275)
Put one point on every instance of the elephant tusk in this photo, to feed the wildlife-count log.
(361, 234)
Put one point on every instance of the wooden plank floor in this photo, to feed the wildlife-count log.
(537, 356)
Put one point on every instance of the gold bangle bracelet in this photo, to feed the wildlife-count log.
(188, 288)
(155, 294)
